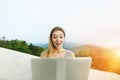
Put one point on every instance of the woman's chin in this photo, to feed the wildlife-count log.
(58, 47)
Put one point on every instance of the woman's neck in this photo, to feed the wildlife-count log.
(59, 50)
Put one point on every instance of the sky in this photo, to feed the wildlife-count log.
(95, 22)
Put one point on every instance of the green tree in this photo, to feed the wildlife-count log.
(35, 50)
(21, 46)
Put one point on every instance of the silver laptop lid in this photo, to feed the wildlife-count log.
(60, 68)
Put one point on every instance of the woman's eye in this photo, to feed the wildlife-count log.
(54, 37)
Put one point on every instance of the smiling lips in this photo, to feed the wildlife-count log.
(58, 44)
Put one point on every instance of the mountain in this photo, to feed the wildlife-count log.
(45, 45)
(67, 45)
(102, 58)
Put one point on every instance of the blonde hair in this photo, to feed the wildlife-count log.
(51, 47)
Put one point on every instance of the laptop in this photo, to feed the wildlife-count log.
(60, 68)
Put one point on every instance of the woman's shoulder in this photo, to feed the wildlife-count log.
(70, 53)
(44, 54)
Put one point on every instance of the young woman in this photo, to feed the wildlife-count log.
(55, 47)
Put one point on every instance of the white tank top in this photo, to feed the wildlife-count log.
(68, 53)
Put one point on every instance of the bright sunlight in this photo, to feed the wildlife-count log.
(118, 53)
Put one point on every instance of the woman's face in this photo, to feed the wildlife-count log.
(58, 39)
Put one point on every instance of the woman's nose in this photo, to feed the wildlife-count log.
(58, 39)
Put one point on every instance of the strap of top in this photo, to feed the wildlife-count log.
(68, 53)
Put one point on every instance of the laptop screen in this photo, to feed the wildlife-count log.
(60, 68)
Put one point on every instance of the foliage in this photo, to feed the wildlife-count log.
(102, 58)
(21, 46)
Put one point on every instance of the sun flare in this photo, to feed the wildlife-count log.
(118, 53)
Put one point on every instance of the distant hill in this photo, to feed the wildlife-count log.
(102, 58)
(67, 45)
(45, 45)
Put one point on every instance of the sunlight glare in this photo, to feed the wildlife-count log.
(118, 53)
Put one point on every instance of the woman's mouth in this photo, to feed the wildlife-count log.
(58, 44)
